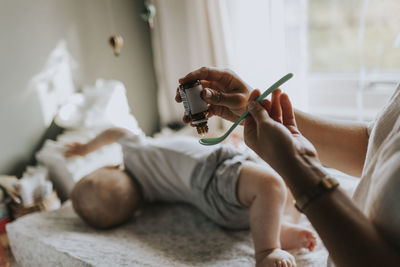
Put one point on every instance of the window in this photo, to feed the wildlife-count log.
(346, 35)
(353, 53)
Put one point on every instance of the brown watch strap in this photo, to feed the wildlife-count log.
(327, 184)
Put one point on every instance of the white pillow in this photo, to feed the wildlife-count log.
(98, 107)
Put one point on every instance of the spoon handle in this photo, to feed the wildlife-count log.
(275, 86)
(244, 115)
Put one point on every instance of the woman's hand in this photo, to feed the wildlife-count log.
(223, 90)
(75, 150)
(272, 133)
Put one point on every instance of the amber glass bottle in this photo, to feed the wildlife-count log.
(195, 107)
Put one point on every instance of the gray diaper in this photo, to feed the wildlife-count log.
(214, 188)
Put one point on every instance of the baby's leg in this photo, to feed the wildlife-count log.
(290, 213)
(262, 190)
(294, 236)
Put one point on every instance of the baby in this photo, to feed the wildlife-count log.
(228, 186)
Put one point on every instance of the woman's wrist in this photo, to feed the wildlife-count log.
(304, 172)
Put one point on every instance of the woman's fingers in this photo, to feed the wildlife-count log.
(287, 110)
(178, 96)
(204, 73)
(222, 112)
(224, 80)
(216, 97)
(267, 105)
(256, 110)
(213, 85)
(276, 109)
(253, 95)
(185, 119)
(289, 119)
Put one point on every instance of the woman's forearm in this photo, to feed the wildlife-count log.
(340, 145)
(350, 237)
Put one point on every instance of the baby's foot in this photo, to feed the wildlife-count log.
(294, 236)
(275, 257)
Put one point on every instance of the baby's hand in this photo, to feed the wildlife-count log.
(75, 149)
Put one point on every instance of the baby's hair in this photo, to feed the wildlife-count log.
(105, 198)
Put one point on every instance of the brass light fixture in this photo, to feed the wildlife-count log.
(117, 42)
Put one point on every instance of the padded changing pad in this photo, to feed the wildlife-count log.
(162, 235)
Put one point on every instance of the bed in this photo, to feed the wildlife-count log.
(160, 235)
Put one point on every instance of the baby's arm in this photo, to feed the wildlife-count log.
(106, 137)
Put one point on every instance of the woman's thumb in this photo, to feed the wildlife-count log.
(256, 110)
(253, 95)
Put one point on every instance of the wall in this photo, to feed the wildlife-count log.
(30, 30)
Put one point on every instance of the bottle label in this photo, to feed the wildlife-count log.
(185, 103)
(196, 103)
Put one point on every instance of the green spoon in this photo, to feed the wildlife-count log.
(216, 140)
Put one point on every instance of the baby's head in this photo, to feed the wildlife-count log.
(106, 197)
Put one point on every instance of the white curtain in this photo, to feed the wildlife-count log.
(245, 36)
